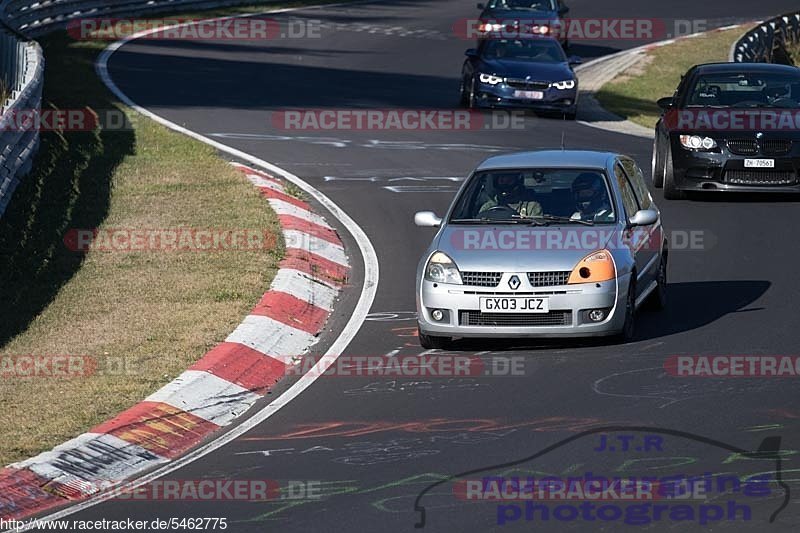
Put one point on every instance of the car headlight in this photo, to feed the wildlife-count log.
(486, 27)
(491, 79)
(442, 269)
(696, 142)
(563, 85)
(595, 267)
(543, 30)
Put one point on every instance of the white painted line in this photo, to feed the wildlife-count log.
(271, 337)
(205, 395)
(367, 296)
(283, 207)
(310, 243)
(421, 188)
(303, 286)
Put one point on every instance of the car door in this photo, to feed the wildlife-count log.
(630, 205)
(647, 239)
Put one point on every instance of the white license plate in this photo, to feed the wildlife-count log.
(530, 95)
(516, 304)
(759, 163)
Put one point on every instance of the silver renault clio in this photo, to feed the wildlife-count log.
(553, 243)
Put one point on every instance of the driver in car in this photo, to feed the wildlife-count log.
(509, 192)
(591, 198)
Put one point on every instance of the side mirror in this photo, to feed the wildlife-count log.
(664, 103)
(427, 219)
(574, 60)
(644, 217)
(481, 6)
(563, 10)
(472, 52)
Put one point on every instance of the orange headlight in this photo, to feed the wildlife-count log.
(595, 267)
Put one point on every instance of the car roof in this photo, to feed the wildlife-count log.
(549, 159)
(744, 67)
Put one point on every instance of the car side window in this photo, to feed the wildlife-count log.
(628, 198)
(637, 181)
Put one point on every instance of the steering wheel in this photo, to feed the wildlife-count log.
(748, 103)
(497, 209)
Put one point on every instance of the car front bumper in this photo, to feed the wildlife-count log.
(502, 96)
(724, 171)
(565, 319)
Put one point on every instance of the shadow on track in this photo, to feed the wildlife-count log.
(690, 306)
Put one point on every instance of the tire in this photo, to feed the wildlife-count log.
(464, 96)
(629, 327)
(571, 115)
(657, 165)
(471, 99)
(429, 342)
(671, 191)
(658, 298)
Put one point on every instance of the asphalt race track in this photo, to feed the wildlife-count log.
(376, 443)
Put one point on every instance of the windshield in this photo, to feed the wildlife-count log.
(513, 196)
(527, 5)
(540, 50)
(746, 90)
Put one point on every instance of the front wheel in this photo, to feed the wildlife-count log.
(671, 191)
(464, 95)
(657, 166)
(629, 327)
(658, 298)
(472, 100)
(429, 342)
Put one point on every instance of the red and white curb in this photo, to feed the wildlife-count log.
(213, 392)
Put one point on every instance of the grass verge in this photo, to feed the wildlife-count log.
(634, 93)
(144, 316)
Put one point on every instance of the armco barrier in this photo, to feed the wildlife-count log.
(22, 68)
(22, 64)
(767, 43)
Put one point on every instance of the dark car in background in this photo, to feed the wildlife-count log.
(537, 17)
(532, 73)
(730, 127)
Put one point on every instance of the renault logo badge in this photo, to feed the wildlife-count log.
(514, 282)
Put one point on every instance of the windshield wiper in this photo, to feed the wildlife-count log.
(556, 218)
(515, 219)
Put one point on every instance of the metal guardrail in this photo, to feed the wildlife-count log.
(768, 42)
(22, 74)
(22, 65)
